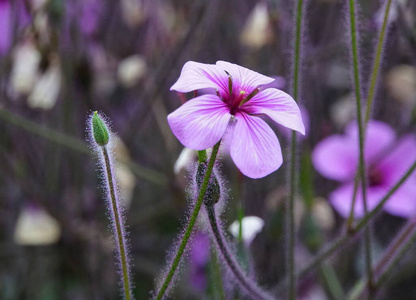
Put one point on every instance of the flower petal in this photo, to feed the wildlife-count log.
(254, 147)
(195, 76)
(341, 199)
(201, 122)
(279, 106)
(247, 79)
(379, 136)
(336, 158)
(397, 161)
(403, 202)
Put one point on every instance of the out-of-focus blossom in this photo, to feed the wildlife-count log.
(200, 254)
(35, 227)
(131, 70)
(5, 26)
(236, 103)
(401, 84)
(343, 111)
(6, 22)
(47, 86)
(323, 214)
(91, 11)
(251, 226)
(336, 157)
(133, 12)
(256, 32)
(125, 178)
(184, 161)
(25, 67)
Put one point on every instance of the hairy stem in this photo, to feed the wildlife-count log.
(245, 282)
(377, 61)
(120, 239)
(362, 170)
(290, 202)
(191, 223)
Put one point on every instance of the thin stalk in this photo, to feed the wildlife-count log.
(191, 223)
(290, 202)
(217, 275)
(362, 170)
(389, 259)
(75, 144)
(332, 282)
(254, 291)
(341, 241)
(120, 238)
(377, 60)
(370, 96)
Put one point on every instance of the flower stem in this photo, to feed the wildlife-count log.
(290, 202)
(377, 60)
(392, 255)
(345, 238)
(191, 223)
(362, 170)
(245, 282)
(120, 238)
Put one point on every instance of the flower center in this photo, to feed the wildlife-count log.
(375, 177)
(237, 97)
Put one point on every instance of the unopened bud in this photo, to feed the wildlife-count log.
(213, 192)
(99, 130)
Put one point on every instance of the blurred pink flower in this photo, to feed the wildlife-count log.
(336, 158)
(237, 102)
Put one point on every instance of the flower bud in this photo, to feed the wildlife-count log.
(99, 130)
(213, 192)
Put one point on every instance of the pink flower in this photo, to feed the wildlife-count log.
(236, 102)
(336, 157)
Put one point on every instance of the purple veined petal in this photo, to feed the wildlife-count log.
(279, 106)
(341, 199)
(379, 136)
(255, 148)
(398, 160)
(201, 122)
(246, 79)
(336, 158)
(403, 202)
(195, 76)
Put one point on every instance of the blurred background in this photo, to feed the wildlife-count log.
(60, 60)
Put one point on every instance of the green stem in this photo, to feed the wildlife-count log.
(250, 287)
(119, 229)
(389, 259)
(217, 275)
(341, 241)
(75, 144)
(377, 60)
(370, 96)
(191, 223)
(362, 170)
(290, 202)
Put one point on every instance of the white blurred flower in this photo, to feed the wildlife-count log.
(252, 225)
(36, 227)
(131, 70)
(323, 214)
(343, 111)
(401, 83)
(47, 86)
(133, 12)
(25, 67)
(185, 159)
(125, 177)
(256, 30)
